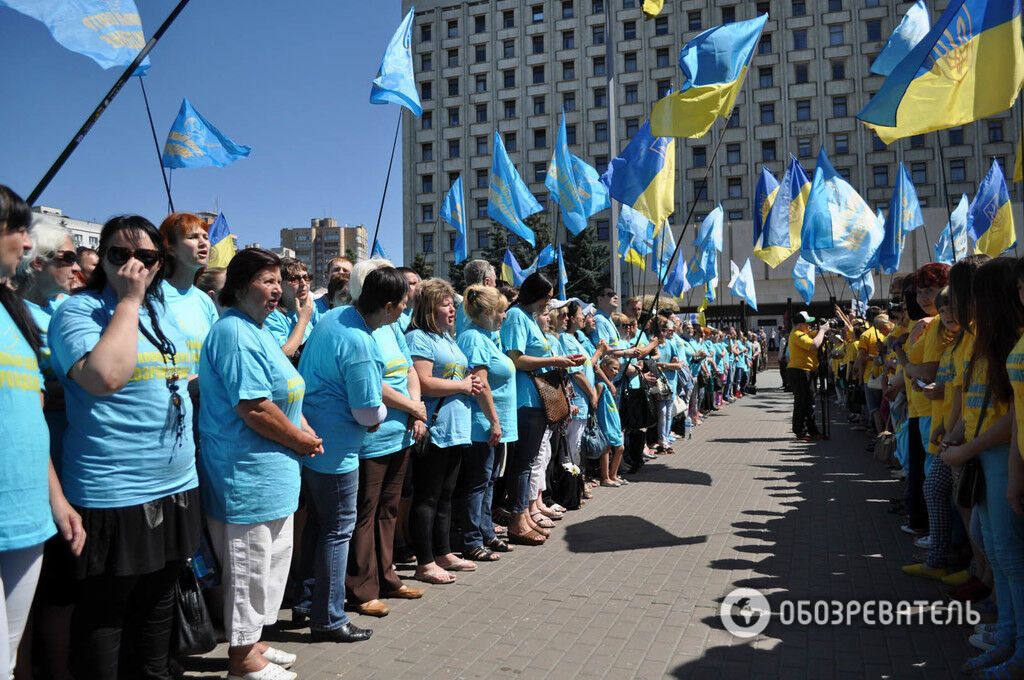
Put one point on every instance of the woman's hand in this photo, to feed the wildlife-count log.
(472, 385)
(936, 438)
(308, 444)
(419, 430)
(955, 454)
(130, 282)
(69, 524)
(495, 437)
(419, 412)
(304, 310)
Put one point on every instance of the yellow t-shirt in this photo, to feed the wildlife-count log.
(974, 397)
(918, 405)
(870, 341)
(962, 358)
(941, 408)
(1015, 368)
(802, 352)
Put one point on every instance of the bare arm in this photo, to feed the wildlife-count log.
(269, 421)
(439, 387)
(584, 386)
(526, 363)
(304, 313)
(485, 399)
(394, 399)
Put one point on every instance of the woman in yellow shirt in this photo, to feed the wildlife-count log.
(986, 426)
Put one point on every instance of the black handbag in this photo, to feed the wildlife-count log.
(636, 407)
(420, 447)
(193, 629)
(969, 485)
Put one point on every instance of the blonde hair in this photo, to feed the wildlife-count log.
(481, 302)
(429, 294)
(618, 318)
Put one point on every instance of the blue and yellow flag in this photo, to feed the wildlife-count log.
(511, 272)
(969, 66)
(700, 312)
(764, 196)
(952, 244)
(780, 236)
(453, 211)
(222, 243)
(636, 237)
(703, 267)
(561, 183)
(841, 233)
(803, 279)
(714, 65)
(1018, 165)
(643, 175)
(990, 217)
(109, 33)
(511, 265)
(396, 81)
(742, 283)
(194, 143)
(912, 29)
(904, 217)
(592, 193)
(509, 200)
(563, 277)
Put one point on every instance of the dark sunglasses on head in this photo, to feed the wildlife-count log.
(64, 257)
(294, 278)
(118, 256)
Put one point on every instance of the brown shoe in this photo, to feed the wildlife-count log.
(529, 538)
(373, 608)
(406, 593)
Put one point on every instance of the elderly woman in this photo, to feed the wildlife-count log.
(297, 314)
(442, 369)
(253, 433)
(568, 323)
(128, 465)
(344, 373)
(187, 245)
(494, 420)
(29, 490)
(383, 459)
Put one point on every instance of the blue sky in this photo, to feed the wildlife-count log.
(290, 79)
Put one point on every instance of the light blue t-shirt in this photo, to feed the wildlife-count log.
(520, 333)
(24, 476)
(123, 449)
(604, 329)
(608, 418)
(343, 371)
(405, 320)
(394, 434)
(56, 419)
(480, 350)
(320, 305)
(453, 424)
(281, 323)
(195, 314)
(586, 344)
(670, 354)
(247, 478)
(571, 345)
(462, 322)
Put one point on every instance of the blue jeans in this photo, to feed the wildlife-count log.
(1003, 534)
(664, 421)
(332, 498)
(473, 495)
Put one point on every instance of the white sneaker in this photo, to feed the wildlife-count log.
(269, 672)
(983, 641)
(924, 542)
(280, 657)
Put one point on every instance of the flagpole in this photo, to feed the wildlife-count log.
(387, 179)
(609, 61)
(104, 103)
(156, 144)
(945, 191)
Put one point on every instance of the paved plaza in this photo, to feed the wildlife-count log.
(630, 585)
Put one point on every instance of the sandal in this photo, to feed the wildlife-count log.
(436, 579)
(529, 538)
(543, 522)
(498, 545)
(611, 483)
(461, 565)
(482, 554)
(557, 508)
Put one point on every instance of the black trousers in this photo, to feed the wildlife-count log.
(783, 368)
(916, 508)
(434, 476)
(802, 383)
(122, 625)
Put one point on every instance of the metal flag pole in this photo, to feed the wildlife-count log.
(104, 103)
(156, 145)
(945, 191)
(387, 179)
(609, 61)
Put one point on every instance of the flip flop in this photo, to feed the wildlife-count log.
(437, 580)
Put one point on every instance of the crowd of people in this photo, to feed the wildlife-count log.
(936, 381)
(162, 415)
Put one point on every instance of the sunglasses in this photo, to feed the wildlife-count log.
(118, 256)
(295, 278)
(66, 258)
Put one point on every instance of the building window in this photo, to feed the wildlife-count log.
(540, 139)
(481, 113)
(919, 173)
(800, 39)
(629, 30)
(663, 87)
(453, 116)
(835, 5)
(538, 74)
(632, 127)
(628, 4)
(799, 8)
(568, 70)
(425, 33)
(597, 7)
(661, 25)
(842, 144)
(600, 131)
(734, 118)
(426, 62)
(767, 113)
(601, 163)
(537, 44)
(479, 53)
(600, 96)
(800, 73)
(511, 142)
(957, 170)
(567, 12)
(995, 131)
(453, 148)
(480, 83)
(509, 78)
(568, 40)
(728, 15)
(428, 239)
(602, 230)
(836, 35)
(768, 151)
(508, 19)
(662, 57)
(427, 184)
(764, 44)
(453, 58)
(917, 142)
(693, 20)
(700, 156)
(427, 120)
(873, 29)
(803, 109)
(426, 91)
(803, 147)
(570, 135)
(876, 143)
(481, 145)
(539, 105)
(569, 101)
(426, 212)
(735, 215)
(598, 35)
(838, 69)
(880, 175)
(481, 181)
(632, 93)
(453, 87)
(700, 190)
(839, 107)
(453, 28)
(629, 62)
(540, 171)
(762, 8)
(426, 152)
(508, 48)
(956, 136)
(599, 69)
(765, 77)
(537, 14)
(735, 187)
(479, 23)
(483, 236)
(733, 154)
(510, 108)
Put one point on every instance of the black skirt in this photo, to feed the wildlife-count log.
(140, 539)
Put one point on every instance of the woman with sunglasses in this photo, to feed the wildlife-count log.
(187, 245)
(293, 320)
(129, 457)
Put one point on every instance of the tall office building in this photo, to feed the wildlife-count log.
(513, 66)
(322, 240)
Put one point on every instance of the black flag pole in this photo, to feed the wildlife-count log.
(156, 145)
(387, 179)
(104, 103)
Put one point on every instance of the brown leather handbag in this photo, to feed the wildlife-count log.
(552, 386)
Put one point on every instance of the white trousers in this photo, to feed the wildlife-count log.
(538, 470)
(19, 574)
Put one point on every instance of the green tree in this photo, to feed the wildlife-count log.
(586, 265)
(456, 277)
(422, 266)
(351, 255)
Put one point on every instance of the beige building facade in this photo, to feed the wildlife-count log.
(322, 240)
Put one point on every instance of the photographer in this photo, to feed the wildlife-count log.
(803, 345)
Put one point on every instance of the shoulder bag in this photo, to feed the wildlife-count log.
(552, 387)
(420, 447)
(193, 629)
(593, 443)
(969, 485)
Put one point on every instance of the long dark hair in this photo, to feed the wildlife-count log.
(914, 311)
(961, 292)
(15, 215)
(535, 287)
(999, 319)
(381, 286)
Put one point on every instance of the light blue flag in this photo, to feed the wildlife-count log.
(592, 192)
(396, 82)
(563, 278)
(109, 33)
(803, 279)
(546, 257)
(912, 29)
(703, 267)
(952, 249)
(636, 224)
(378, 250)
(194, 143)
(676, 284)
(863, 288)
(509, 200)
(453, 211)
(561, 183)
(664, 246)
(742, 284)
(840, 233)
(904, 216)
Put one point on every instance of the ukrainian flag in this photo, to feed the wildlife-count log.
(1018, 168)
(990, 219)
(222, 243)
(715, 64)
(969, 66)
(780, 236)
(764, 196)
(510, 269)
(643, 175)
(652, 8)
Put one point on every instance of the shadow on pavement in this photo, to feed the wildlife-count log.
(612, 533)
